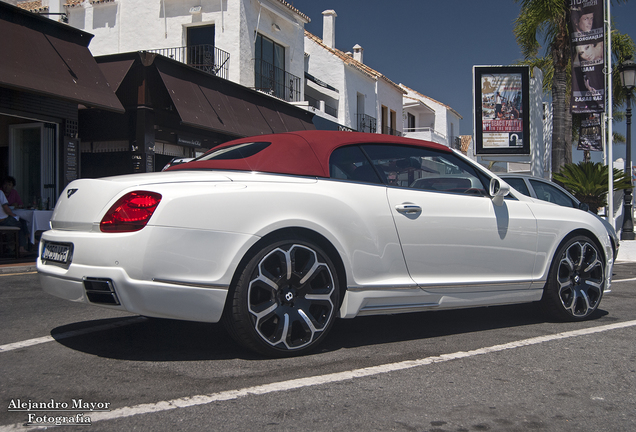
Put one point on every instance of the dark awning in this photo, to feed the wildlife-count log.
(52, 59)
(115, 72)
(213, 103)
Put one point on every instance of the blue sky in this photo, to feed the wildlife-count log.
(432, 45)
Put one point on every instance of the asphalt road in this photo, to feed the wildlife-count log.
(502, 368)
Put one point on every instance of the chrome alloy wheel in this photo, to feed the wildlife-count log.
(580, 278)
(290, 297)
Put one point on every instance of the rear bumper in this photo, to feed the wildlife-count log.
(148, 298)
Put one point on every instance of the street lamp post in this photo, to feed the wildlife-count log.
(627, 71)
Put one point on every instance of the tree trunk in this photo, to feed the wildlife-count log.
(559, 157)
(561, 111)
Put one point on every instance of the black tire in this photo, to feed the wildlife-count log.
(285, 299)
(576, 280)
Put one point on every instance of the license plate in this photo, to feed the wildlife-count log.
(57, 252)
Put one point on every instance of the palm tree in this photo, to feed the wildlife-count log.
(587, 181)
(548, 20)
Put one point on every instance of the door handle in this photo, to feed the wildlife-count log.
(408, 208)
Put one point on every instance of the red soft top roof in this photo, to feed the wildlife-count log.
(300, 153)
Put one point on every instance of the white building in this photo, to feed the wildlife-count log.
(256, 43)
(340, 88)
(427, 119)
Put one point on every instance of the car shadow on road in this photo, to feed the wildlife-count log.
(149, 339)
(436, 324)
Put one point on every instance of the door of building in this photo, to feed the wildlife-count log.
(200, 41)
(32, 161)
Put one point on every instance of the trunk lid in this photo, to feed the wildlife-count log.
(83, 202)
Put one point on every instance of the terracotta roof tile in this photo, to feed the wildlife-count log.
(293, 9)
(73, 3)
(32, 6)
(350, 61)
(466, 141)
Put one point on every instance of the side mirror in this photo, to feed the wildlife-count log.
(498, 190)
(584, 207)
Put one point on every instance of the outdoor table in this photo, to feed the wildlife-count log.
(37, 220)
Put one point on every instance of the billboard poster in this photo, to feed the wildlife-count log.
(588, 56)
(502, 110)
(590, 135)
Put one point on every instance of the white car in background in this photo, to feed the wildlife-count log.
(278, 235)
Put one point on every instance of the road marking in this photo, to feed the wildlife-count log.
(624, 280)
(191, 401)
(68, 334)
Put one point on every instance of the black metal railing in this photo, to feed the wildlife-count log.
(276, 81)
(207, 58)
(390, 131)
(366, 123)
(456, 143)
(312, 101)
(331, 110)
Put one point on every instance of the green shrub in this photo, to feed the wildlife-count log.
(587, 181)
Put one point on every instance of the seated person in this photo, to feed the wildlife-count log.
(12, 195)
(8, 218)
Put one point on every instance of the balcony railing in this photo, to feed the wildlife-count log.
(390, 131)
(207, 58)
(426, 133)
(366, 123)
(456, 143)
(276, 81)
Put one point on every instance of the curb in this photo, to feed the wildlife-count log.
(26, 268)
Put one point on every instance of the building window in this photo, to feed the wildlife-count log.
(385, 120)
(410, 122)
(393, 123)
(389, 120)
(200, 41)
(269, 67)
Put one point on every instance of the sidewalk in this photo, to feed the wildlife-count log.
(627, 251)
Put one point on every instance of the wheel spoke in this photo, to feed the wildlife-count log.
(265, 312)
(311, 272)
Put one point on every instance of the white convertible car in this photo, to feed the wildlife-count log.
(278, 235)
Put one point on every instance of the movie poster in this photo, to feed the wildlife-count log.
(588, 56)
(590, 134)
(502, 100)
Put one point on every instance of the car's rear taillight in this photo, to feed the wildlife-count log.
(131, 212)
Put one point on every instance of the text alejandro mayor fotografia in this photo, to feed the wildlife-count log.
(52, 412)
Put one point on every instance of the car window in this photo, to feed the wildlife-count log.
(350, 163)
(238, 151)
(547, 192)
(518, 184)
(427, 169)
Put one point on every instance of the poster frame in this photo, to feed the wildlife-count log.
(478, 73)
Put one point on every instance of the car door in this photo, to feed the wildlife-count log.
(452, 234)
